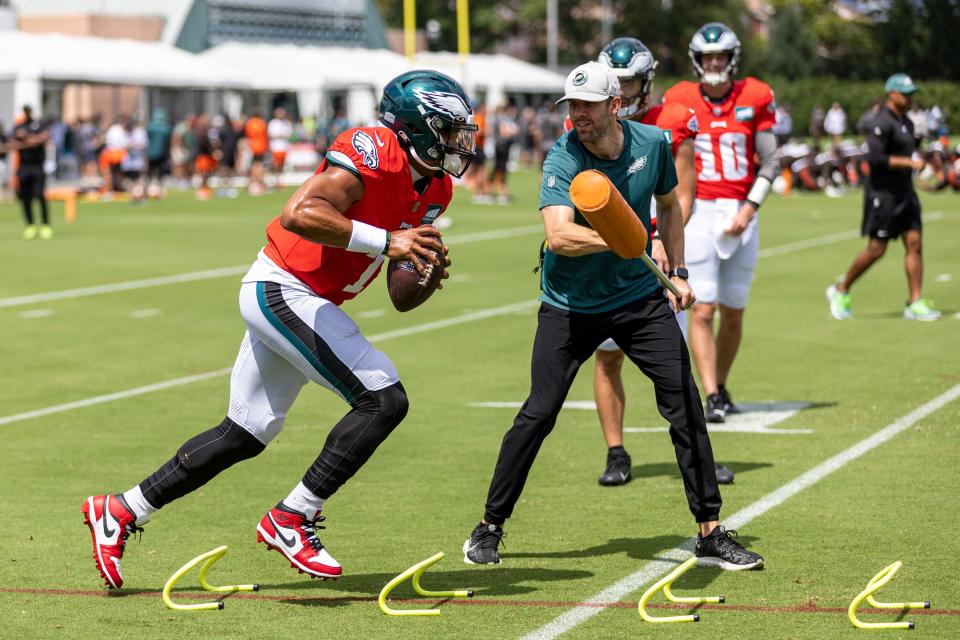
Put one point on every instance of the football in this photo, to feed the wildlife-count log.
(407, 288)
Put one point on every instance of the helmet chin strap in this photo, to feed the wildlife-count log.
(413, 152)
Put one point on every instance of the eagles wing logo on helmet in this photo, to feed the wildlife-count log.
(630, 60)
(449, 104)
(363, 144)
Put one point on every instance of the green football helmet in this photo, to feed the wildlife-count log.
(630, 60)
(431, 115)
(715, 37)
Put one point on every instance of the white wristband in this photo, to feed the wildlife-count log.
(365, 238)
(759, 191)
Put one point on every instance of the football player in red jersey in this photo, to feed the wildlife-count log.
(374, 196)
(736, 165)
(635, 66)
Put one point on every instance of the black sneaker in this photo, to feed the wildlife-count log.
(715, 412)
(721, 549)
(728, 406)
(618, 469)
(724, 475)
(481, 546)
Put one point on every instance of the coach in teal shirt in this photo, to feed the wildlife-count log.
(589, 295)
(599, 282)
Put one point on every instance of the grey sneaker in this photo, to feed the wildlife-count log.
(481, 546)
(617, 471)
(721, 549)
(716, 412)
(724, 475)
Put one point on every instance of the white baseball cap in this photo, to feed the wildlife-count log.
(592, 82)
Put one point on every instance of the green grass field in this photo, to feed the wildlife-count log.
(424, 489)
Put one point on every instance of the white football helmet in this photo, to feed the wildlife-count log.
(715, 37)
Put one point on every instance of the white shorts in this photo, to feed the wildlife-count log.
(294, 336)
(721, 266)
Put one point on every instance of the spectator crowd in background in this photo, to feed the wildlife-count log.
(219, 155)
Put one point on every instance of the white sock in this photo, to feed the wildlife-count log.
(139, 504)
(304, 501)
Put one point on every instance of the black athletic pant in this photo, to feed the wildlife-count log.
(32, 184)
(648, 333)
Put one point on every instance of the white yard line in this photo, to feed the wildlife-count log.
(481, 236)
(669, 560)
(123, 286)
(177, 382)
(144, 313)
(194, 276)
(37, 313)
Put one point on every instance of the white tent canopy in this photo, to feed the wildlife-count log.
(27, 60)
(112, 61)
(362, 73)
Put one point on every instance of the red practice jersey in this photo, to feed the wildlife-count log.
(676, 119)
(725, 154)
(389, 201)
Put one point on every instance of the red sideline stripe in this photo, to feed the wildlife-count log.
(799, 608)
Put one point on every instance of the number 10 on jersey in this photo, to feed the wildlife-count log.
(733, 164)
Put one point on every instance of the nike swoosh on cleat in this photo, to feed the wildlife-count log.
(106, 516)
(623, 476)
(289, 542)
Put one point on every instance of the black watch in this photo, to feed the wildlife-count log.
(679, 272)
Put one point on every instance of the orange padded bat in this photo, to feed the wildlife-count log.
(608, 213)
(613, 218)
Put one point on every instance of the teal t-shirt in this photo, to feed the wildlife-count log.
(600, 282)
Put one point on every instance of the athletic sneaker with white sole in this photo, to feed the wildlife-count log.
(839, 303)
(921, 309)
(111, 522)
(481, 546)
(721, 549)
(293, 535)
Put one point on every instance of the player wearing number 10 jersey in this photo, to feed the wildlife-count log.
(374, 196)
(634, 65)
(735, 167)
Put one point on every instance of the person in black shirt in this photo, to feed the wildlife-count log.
(891, 208)
(29, 139)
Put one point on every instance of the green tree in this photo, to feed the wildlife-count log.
(792, 49)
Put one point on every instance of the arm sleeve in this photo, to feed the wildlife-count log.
(667, 176)
(766, 146)
(877, 155)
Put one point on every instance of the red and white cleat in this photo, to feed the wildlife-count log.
(295, 537)
(111, 523)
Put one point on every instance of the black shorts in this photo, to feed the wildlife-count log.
(887, 215)
(32, 182)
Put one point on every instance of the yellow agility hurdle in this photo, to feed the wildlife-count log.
(208, 559)
(415, 572)
(665, 583)
(876, 583)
